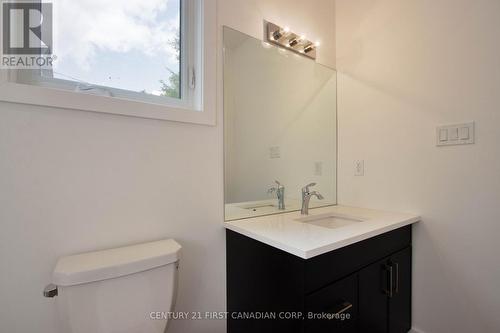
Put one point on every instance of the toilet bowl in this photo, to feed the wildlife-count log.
(124, 290)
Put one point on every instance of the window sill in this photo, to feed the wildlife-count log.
(50, 97)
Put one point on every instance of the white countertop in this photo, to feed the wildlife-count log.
(243, 210)
(306, 240)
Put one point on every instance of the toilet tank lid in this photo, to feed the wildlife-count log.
(112, 263)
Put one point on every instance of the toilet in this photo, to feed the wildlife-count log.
(124, 290)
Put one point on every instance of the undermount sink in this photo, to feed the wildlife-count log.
(259, 207)
(330, 220)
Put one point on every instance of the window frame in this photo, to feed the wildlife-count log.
(198, 40)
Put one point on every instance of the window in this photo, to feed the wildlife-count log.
(134, 49)
(140, 51)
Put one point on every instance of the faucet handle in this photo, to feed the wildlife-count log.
(318, 195)
(276, 188)
(279, 184)
(271, 190)
(306, 188)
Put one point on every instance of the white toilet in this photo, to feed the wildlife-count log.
(124, 290)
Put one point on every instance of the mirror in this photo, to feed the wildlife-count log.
(280, 124)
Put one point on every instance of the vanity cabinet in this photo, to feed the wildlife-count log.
(340, 301)
(364, 287)
(385, 287)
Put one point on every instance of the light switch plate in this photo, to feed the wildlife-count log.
(359, 168)
(275, 152)
(457, 134)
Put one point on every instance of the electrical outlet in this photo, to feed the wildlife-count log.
(318, 168)
(359, 168)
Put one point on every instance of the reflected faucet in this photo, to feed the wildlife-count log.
(280, 193)
(306, 197)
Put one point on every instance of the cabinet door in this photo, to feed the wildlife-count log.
(400, 302)
(334, 308)
(373, 297)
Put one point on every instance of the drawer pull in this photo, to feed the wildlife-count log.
(345, 306)
(388, 290)
(397, 277)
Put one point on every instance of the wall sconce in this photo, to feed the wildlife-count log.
(284, 38)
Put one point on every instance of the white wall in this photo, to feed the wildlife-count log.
(406, 67)
(74, 181)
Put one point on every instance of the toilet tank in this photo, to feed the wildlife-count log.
(117, 290)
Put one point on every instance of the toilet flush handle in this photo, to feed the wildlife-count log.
(50, 291)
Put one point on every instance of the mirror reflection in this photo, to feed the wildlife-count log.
(280, 129)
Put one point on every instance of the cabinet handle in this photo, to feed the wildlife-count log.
(389, 289)
(345, 306)
(397, 277)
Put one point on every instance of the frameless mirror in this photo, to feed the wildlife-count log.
(280, 124)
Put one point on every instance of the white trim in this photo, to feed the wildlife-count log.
(204, 114)
(192, 60)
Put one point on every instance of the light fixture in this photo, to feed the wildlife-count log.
(266, 45)
(276, 35)
(286, 39)
(309, 48)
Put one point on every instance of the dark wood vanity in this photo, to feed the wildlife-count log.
(364, 287)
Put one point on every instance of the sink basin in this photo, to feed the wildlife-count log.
(257, 206)
(330, 220)
(262, 207)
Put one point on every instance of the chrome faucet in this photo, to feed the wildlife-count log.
(306, 197)
(280, 193)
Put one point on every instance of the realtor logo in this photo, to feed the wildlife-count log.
(26, 34)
